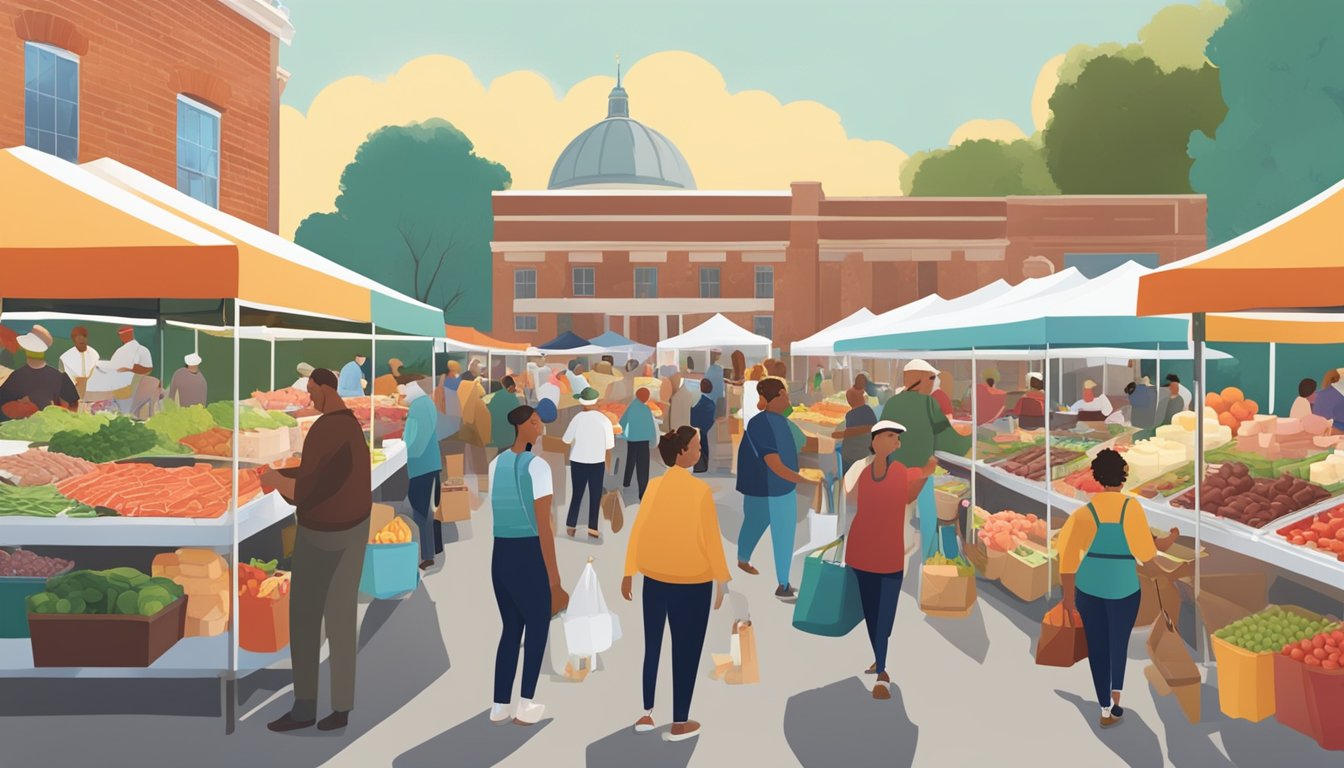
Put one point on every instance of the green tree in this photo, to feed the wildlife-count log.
(981, 167)
(1174, 38)
(414, 213)
(1282, 71)
(1123, 127)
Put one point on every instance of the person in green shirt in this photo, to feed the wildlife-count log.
(501, 403)
(927, 429)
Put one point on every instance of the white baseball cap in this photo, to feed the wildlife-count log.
(886, 426)
(192, 359)
(920, 366)
(31, 342)
(1034, 375)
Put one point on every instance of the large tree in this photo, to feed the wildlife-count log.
(1123, 126)
(1282, 70)
(980, 167)
(414, 213)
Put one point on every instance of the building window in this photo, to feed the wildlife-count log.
(51, 100)
(763, 325)
(525, 284)
(765, 283)
(709, 282)
(198, 151)
(585, 281)
(524, 323)
(646, 282)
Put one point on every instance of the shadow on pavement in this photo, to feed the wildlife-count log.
(476, 743)
(1025, 616)
(841, 724)
(1132, 740)
(967, 635)
(647, 750)
(1263, 743)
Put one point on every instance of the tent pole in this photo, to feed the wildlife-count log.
(231, 692)
(272, 365)
(1049, 527)
(373, 367)
(1197, 338)
(975, 442)
(196, 340)
(1273, 372)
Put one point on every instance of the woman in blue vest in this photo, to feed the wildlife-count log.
(522, 567)
(1101, 548)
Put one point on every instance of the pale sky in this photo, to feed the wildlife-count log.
(908, 72)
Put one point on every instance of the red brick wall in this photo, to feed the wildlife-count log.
(134, 63)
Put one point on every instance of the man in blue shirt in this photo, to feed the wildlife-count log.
(351, 383)
(638, 429)
(767, 476)
(702, 418)
(423, 465)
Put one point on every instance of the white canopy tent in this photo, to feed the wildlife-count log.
(822, 343)
(718, 332)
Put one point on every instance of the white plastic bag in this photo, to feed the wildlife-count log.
(589, 627)
(823, 526)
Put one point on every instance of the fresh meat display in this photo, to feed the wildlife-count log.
(283, 399)
(1232, 492)
(1031, 462)
(1323, 532)
(144, 490)
(34, 467)
(25, 563)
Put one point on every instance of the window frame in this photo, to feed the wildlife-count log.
(762, 269)
(646, 270)
(591, 282)
(56, 134)
(184, 100)
(518, 272)
(718, 282)
(755, 325)
(518, 325)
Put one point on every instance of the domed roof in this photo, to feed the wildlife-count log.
(621, 152)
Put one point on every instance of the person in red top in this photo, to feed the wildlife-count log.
(876, 539)
(1032, 403)
(941, 397)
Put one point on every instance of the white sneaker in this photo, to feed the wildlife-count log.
(501, 713)
(529, 713)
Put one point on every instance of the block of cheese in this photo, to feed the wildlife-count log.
(1172, 432)
(1184, 420)
(1266, 423)
(1171, 455)
(1248, 429)
(1315, 425)
(1289, 427)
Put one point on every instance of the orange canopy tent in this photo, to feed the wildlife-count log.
(67, 234)
(470, 338)
(1293, 261)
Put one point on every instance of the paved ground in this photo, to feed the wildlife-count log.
(967, 694)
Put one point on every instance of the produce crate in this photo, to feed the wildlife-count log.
(14, 592)
(1290, 694)
(1325, 702)
(117, 641)
(390, 570)
(1246, 688)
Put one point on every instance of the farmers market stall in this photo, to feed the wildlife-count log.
(718, 332)
(127, 483)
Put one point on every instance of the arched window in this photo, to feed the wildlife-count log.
(51, 100)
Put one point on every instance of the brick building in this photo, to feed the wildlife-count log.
(623, 241)
(187, 91)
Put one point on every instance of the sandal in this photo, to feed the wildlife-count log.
(882, 688)
(593, 533)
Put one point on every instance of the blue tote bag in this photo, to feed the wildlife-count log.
(828, 597)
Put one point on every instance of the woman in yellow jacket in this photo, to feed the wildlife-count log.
(677, 546)
(1101, 547)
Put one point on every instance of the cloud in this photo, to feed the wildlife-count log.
(994, 130)
(1046, 82)
(743, 140)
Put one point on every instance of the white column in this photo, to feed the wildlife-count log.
(1273, 373)
(662, 327)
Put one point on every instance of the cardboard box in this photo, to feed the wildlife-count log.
(454, 466)
(454, 504)
(1149, 606)
(1027, 581)
(553, 444)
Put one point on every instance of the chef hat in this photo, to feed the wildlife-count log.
(304, 369)
(920, 366)
(1034, 375)
(192, 359)
(1089, 384)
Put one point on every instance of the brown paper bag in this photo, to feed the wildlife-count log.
(613, 509)
(1062, 642)
(945, 592)
(454, 504)
(749, 671)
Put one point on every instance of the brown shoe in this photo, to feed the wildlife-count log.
(882, 688)
(334, 722)
(682, 731)
(594, 534)
(645, 724)
(747, 567)
(287, 723)
(871, 670)
(1108, 721)
(570, 531)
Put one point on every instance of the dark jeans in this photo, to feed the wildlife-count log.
(581, 477)
(637, 462)
(1107, 625)
(422, 491)
(703, 464)
(879, 592)
(523, 592)
(686, 608)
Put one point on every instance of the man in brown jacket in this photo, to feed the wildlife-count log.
(332, 492)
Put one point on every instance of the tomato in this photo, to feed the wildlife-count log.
(1320, 654)
(1312, 661)
(1318, 642)
(1306, 646)
(1297, 654)
(1329, 665)
(1338, 636)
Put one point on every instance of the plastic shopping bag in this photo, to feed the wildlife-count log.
(823, 525)
(590, 628)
